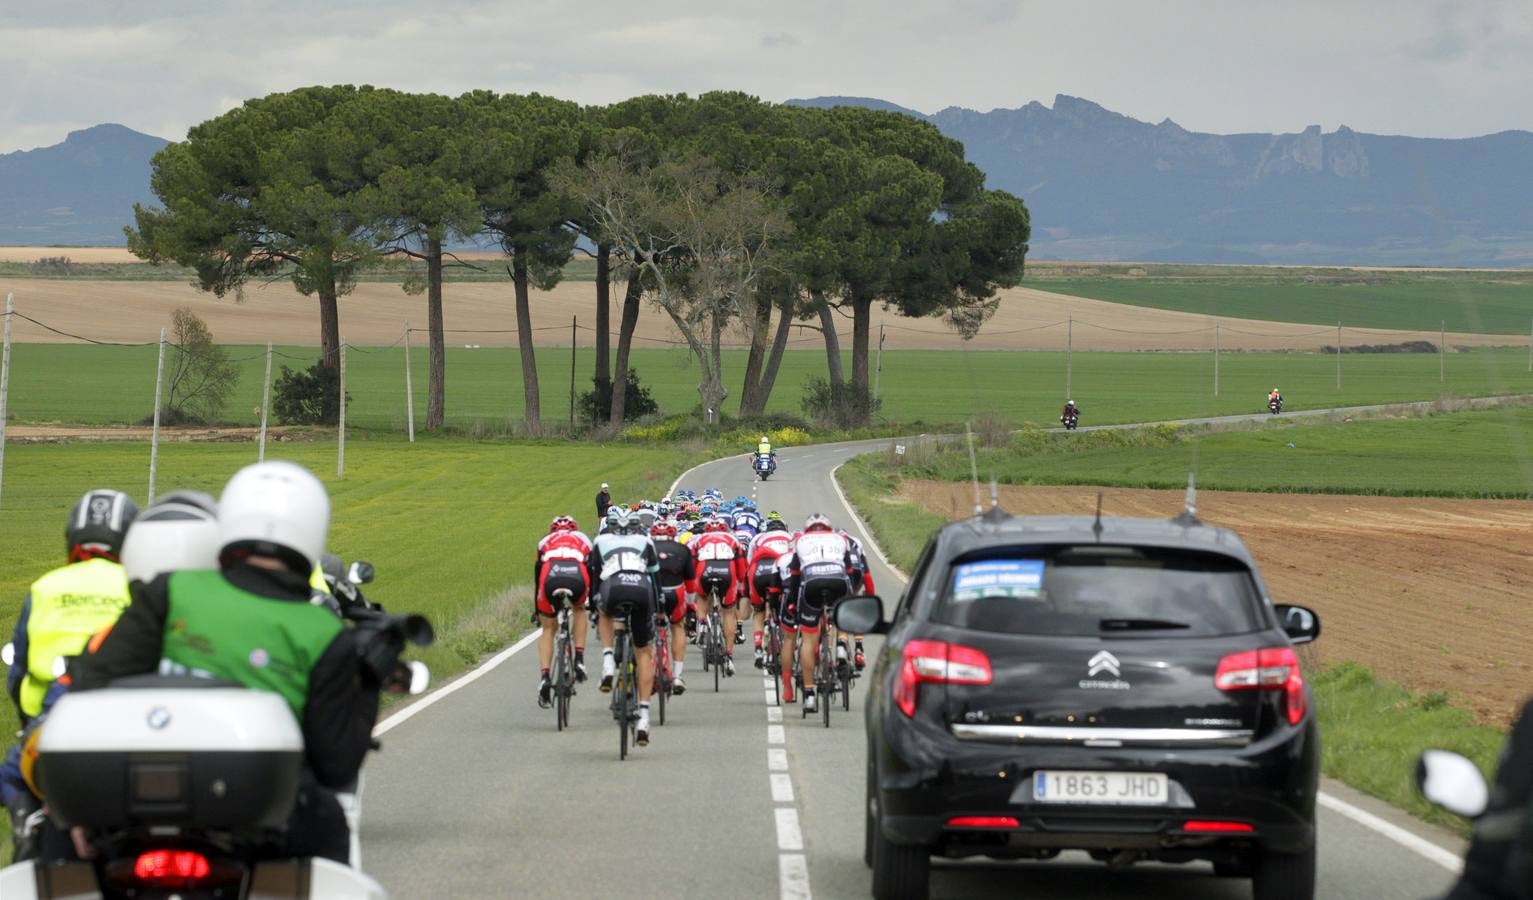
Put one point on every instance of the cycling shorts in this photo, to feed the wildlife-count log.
(818, 594)
(674, 600)
(765, 582)
(561, 575)
(718, 576)
(624, 590)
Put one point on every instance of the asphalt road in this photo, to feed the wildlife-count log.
(477, 795)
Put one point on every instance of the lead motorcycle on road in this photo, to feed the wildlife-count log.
(764, 465)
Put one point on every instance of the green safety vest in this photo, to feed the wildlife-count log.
(68, 606)
(214, 629)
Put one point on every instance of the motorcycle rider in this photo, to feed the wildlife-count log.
(251, 622)
(64, 608)
(765, 584)
(817, 568)
(675, 584)
(1275, 397)
(1070, 410)
(720, 568)
(560, 564)
(629, 570)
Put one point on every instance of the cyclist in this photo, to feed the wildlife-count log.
(647, 515)
(862, 583)
(765, 584)
(675, 584)
(629, 570)
(560, 565)
(818, 576)
(720, 568)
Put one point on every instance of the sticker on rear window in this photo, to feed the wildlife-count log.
(1022, 578)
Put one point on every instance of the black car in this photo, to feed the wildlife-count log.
(1119, 686)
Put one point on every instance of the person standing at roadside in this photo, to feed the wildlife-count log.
(603, 501)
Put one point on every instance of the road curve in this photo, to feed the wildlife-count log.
(479, 796)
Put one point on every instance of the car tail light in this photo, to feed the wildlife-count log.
(171, 868)
(1267, 669)
(982, 822)
(937, 662)
(1206, 826)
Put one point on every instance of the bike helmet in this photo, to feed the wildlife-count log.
(716, 525)
(562, 523)
(97, 524)
(624, 522)
(178, 532)
(776, 525)
(774, 516)
(277, 509)
(1069, 402)
(764, 439)
(662, 529)
(817, 522)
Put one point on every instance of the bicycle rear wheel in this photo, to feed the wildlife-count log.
(562, 674)
(825, 676)
(621, 690)
(662, 668)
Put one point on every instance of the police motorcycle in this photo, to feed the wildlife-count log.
(185, 782)
(764, 465)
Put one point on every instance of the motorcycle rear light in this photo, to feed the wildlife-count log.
(937, 662)
(171, 868)
(982, 822)
(1267, 669)
(1207, 826)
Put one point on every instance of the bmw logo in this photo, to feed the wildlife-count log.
(158, 718)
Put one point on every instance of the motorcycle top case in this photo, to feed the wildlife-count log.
(217, 758)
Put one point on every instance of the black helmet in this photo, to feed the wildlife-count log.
(776, 525)
(98, 523)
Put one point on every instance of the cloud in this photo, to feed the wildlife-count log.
(778, 39)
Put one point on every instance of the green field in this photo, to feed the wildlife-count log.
(580, 268)
(1482, 454)
(115, 385)
(1486, 303)
(1372, 731)
(450, 524)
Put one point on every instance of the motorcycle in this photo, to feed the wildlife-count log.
(1275, 405)
(765, 465)
(1070, 420)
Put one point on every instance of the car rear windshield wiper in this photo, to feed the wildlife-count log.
(1140, 624)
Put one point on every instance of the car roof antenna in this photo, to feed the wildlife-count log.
(996, 514)
(1189, 514)
(1096, 527)
(973, 468)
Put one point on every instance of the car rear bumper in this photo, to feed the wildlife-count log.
(930, 778)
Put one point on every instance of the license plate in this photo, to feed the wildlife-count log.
(1106, 788)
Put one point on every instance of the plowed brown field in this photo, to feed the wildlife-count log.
(1434, 594)
(375, 314)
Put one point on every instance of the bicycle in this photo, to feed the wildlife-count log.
(826, 681)
(662, 660)
(772, 646)
(563, 675)
(711, 636)
(625, 684)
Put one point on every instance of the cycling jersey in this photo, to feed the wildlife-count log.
(819, 568)
(561, 564)
(719, 564)
(761, 563)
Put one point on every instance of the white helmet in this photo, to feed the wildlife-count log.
(180, 531)
(275, 509)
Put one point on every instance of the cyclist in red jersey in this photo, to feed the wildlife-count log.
(720, 567)
(862, 583)
(764, 584)
(561, 564)
(676, 582)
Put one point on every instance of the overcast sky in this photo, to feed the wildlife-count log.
(1441, 69)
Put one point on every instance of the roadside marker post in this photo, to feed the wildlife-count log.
(5, 377)
(265, 404)
(154, 436)
(409, 390)
(340, 443)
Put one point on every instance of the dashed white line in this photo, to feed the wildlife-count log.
(793, 876)
(774, 713)
(789, 835)
(777, 759)
(782, 787)
(776, 735)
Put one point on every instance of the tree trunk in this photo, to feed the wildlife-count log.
(603, 318)
(752, 386)
(832, 348)
(626, 326)
(774, 360)
(530, 398)
(436, 379)
(862, 321)
(329, 323)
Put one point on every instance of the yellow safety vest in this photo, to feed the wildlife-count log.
(764, 447)
(68, 606)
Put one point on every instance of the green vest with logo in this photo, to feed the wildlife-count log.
(214, 629)
(68, 606)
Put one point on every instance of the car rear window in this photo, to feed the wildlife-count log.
(1096, 590)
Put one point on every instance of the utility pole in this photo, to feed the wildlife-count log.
(340, 444)
(409, 390)
(5, 375)
(878, 368)
(1442, 348)
(265, 405)
(574, 325)
(154, 436)
(1069, 350)
(1338, 356)
(1216, 359)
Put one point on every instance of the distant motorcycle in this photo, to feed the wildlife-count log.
(764, 464)
(1275, 405)
(1070, 420)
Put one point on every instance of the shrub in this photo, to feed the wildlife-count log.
(596, 404)
(841, 405)
(201, 377)
(311, 396)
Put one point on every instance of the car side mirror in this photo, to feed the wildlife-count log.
(1452, 782)
(861, 615)
(361, 573)
(1300, 623)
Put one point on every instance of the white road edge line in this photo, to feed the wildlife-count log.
(1407, 839)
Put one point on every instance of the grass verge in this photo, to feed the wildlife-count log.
(1371, 731)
